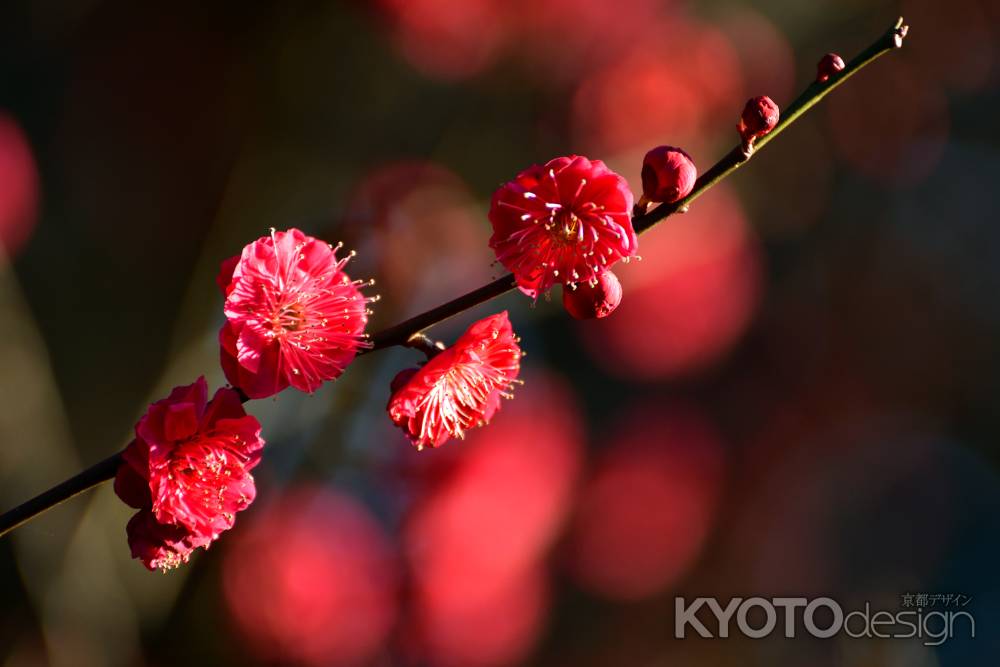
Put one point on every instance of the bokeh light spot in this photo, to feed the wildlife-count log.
(311, 580)
(476, 540)
(447, 40)
(685, 306)
(18, 187)
(647, 509)
(678, 80)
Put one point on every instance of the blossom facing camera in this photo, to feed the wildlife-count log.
(293, 317)
(828, 65)
(562, 222)
(668, 175)
(594, 300)
(760, 115)
(459, 388)
(188, 473)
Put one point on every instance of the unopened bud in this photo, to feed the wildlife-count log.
(668, 174)
(588, 301)
(828, 65)
(760, 115)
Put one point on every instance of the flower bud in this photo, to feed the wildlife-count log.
(828, 65)
(668, 174)
(760, 115)
(593, 301)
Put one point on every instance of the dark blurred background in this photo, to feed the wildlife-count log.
(798, 395)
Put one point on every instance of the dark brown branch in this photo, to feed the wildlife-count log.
(92, 476)
(400, 333)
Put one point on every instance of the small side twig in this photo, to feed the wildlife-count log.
(424, 343)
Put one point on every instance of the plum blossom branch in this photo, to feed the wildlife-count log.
(736, 158)
(409, 333)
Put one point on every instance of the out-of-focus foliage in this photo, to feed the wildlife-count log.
(797, 395)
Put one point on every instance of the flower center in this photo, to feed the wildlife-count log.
(567, 226)
(207, 482)
(197, 465)
(287, 318)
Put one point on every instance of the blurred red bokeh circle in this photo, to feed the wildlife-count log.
(679, 80)
(18, 187)
(311, 579)
(648, 506)
(498, 628)
(690, 301)
(566, 39)
(448, 40)
(477, 539)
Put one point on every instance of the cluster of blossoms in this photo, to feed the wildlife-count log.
(568, 221)
(294, 318)
(187, 472)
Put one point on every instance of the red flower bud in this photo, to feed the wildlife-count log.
(594, 301)
(668, 174)
(828, 65)
(760, 115)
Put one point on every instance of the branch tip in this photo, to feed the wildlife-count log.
(899, 32)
